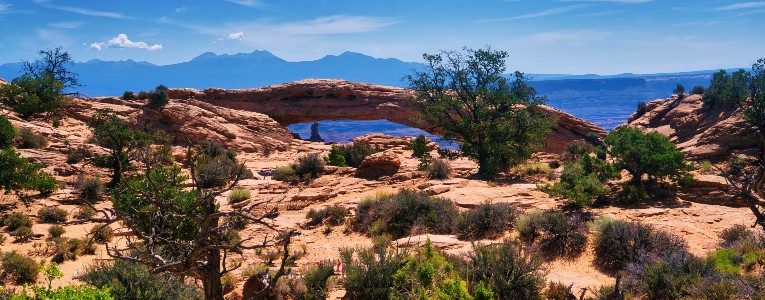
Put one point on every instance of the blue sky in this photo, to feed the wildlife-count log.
(542, 36)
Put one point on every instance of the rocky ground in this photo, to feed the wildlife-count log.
(264, 144)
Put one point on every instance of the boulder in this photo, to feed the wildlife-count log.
(380, 164)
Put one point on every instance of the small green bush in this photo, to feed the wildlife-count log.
(16, 220)
(642, 108)
(370, 275)
(529, 224)
(7, 133)
(56, 231)
(510, 272)
(310, 166)
(583, 181)
(102, 233)
(238, 195)
(71, 249)
(91, 188)
(353, 153)
(405, 212)
(158, 98)
(19, 268)
(23, 234)
(576, 150)
(228, 282)
(84, 212)
(487, 220)
(619, 243)
(419, 146)
(27, 139)
(336, 157)
(331, 215)
(726, 260)
(592, 138)
(286, 174)
(697, 90)
(130, 280)
(52, 215)
(735, 234)
(316, 280)
(439, 169)
(556, 234)
(128, 95)
(705, 166)
(726, 89)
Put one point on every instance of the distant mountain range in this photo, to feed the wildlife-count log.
(603, 100)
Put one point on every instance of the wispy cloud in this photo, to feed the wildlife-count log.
(544, 13)
(236, 36)
(744, 5)
(122, 41)
(82, 11)
(248, 3)
(329, 25)
(571, 37)
(67, 25)
(4, 7)
(612, 1)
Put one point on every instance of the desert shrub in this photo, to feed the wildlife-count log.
(84, 212)
(228, 282)
(439, 169)
(735, 234)
(56, 123)
(91, 188)
(619, 243)
(631, 194)
(592, 138)
(158, 98)
(310, 166)
(726, 89)
(705, 166)
(142, 95)
(335, 157)
(370, 275)
(426, 274)
(534, 170)
(128, 95)
(419, 146)
(555, 233)
(331, 215)
(286, 174)
(71, 249)
(19, 268)
(642, 108)
(238, 195)
(679, 90)
(487, 220)
(697, 90)
(23, 234)
(404, 212)
(7, 133)
(556, 291)
(529, 224)
(583, 181)
(79, 292)
(216, 165)
(16, 220)
(508, 271)
(316, 277)
(129, 280)
(355, 152)
(52, 214)
(56, 231)
(101, 233)
(28, 139)
(576, 150)
(726, 260)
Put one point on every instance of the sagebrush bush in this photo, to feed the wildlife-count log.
(619, 243)
(439, 169)
(158, 98)
(405, 212)
(56, 231)
(510, 272)
(487, 220)
(286, 174)
(238, 195)
(216, 165)
(52, 215)
(331, 215)
(101, 233)
(23, 234)
(316, 277)
(562, 235)
(735, 234)
(16, 220)
(642, 108)
(576, 150)
(228, 282)
(128, 95)
(19, 268)
(353, 153)
(91, 188)
(71, 249)
(28, 139)
(529, 224)
(130, 280)
(7, 133)
(370, 275)
(84, 212)
(310, 166)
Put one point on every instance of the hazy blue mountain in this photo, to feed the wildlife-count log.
(605, 100)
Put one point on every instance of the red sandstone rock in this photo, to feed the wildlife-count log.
(380, 164)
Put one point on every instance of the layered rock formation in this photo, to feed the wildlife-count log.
(320, 99)
(703, 134)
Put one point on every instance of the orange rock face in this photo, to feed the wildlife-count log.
(380, 164)
(321, 99)
(703, 134)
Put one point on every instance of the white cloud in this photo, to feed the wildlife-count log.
(236, 36)
(67, 25)
(544, 13)
(122, 41)
(744, 5)
(82, 11)
(336, 25)
(248, 3)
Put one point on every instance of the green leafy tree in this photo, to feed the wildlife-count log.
(183, 231)
(680, 91)
(729, 90)
(7, 133)
(55, 62)
(18, 174)
(30, 96)
(116, 135)
(642, 154)
(419, 146)
(494, 120)
(697, 90)
(158, 98)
